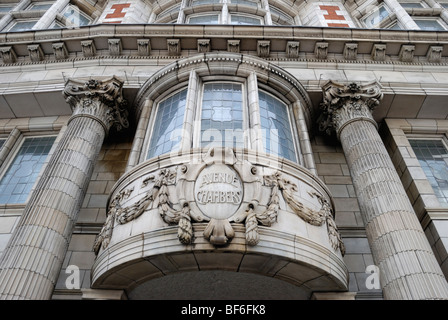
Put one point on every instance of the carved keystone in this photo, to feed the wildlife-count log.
(8, 54)
(321, 50)
(203, 45)
(114, 46)
(263, 48)
(292, 49)
(35, 52)
(173, 46)
(88, 48)
(379, 52)
(350, 51)
(434, 54)
(60, 50)
(407, 53)
(233, 46)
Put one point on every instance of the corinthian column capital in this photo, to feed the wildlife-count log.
(101, 100)
(344, 103)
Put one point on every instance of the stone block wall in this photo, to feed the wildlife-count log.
(332, 169)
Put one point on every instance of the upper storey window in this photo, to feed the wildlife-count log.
(224, 114)
(433, 158)
(19, 178)
(375, 19)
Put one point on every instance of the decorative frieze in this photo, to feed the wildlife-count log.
(35, 52)
(203, 45)
(173, 46)
(114, 46)
(321, 50)
(292, 49)
(263, 48)
(60, 50)
(378, 52)
(233, 45)
(8, 54)
(434, 54)
(406, 53)
(219, 190)
(350, 51)
(88, 48)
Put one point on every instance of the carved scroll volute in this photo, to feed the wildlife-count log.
(99, 99)
(343, 103)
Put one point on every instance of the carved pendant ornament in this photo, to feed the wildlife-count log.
(214, 192)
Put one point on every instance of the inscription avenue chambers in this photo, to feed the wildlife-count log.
(218, 191)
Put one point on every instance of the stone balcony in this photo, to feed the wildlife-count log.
(220, 211)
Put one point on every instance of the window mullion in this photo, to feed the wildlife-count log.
(189, 131)
(255, 136)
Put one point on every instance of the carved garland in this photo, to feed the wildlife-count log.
(159, 194)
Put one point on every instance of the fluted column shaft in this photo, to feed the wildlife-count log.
(31, 263)
(408, 267)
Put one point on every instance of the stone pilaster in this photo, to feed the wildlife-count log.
(408, 267)
(31, 262)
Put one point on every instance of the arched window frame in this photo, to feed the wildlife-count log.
(254, 72)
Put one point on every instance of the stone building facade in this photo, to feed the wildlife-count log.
(223, 149)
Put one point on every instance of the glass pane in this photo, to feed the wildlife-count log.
(429, 24)
(236, 19)
(22, 173)
(376, 17)
(276, 127)
(411, 5)
(433, 158)
(222, 115)
(23, 25)
(39, 6)
(2, 141)
(245, 2)
(166, 134)
(75, 18)
(201, 2)
(207, 19)
(6, 8)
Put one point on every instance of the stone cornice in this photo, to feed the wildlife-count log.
(374, 45)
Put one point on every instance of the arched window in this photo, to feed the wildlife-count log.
(168, 122)
(225, 102)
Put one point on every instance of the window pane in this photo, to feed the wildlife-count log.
(75, 17)
(22, 25)
(22, 173)
(166, 134)
(433, 158)
(276, 127)
(6, 8)
(222, 115)
(236, 19)
(411, 5)
(376, 17)
(39, 6)
(245, 2)
(429, 24)
(201, 2)
(2, 141)
(207, 19)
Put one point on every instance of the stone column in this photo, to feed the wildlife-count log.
(31, 262)
(408, 267)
